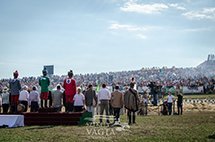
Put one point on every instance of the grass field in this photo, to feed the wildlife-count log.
(192, 126)
(201, 96)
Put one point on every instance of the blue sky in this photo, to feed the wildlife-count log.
(93, 36)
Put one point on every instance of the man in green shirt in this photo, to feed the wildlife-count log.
(44, 83)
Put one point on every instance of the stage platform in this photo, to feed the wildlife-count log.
(52, 118)
(45, 116)
(11, 120)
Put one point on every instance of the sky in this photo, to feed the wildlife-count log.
(93, 36)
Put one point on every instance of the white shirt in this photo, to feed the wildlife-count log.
(79, 100)
(104, 94)
(34, 96)
(5, 98)
(23, 95)
(170, 98)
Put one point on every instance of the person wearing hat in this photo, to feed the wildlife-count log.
(15, 87)
(70, 90)
(5, 100)
(44, 83)
(24, 97)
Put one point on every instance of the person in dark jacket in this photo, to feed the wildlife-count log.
(90, 99)
(179, 100)
(131, 102)
(15, 87)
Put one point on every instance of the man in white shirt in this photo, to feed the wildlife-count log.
(23, 97)
(79, 100)
(104, 96)
(5, 100)
(34, 99)
(170, 100)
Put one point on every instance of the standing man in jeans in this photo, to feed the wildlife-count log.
(116, 102)
(104, 96)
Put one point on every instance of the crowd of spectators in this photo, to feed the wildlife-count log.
(191, 77)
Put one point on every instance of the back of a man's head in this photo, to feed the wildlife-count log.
(90, 86)
(70, 74)
(58, 87)
(117, 87)
(103, 85)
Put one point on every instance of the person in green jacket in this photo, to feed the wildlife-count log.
(44, 83)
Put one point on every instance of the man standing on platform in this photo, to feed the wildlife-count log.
(70, 90)
(15, 88)
(44, 83)
(57, 97)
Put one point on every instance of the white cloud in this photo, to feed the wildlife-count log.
(197, 30)
(176, 6)
(144, 8)
(138, 31)
(116, 26)
(134, 30)
(206, 13)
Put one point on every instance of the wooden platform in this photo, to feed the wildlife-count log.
(52, 118)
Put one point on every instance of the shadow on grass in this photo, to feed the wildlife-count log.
(40, 127)
(212, 136)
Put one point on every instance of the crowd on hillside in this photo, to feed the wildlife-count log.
(77, 92)
(191, 77)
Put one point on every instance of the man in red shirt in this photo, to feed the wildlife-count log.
(70, 90)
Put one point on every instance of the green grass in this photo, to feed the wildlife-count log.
(204, 96)
(192, 126)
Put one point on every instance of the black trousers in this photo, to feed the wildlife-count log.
(34, 106)
(69, 107)
(116, 113)
(130, 118)
(180, 109)
(50, 98)
(5, 108)
(78, 108)
(170, 108)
